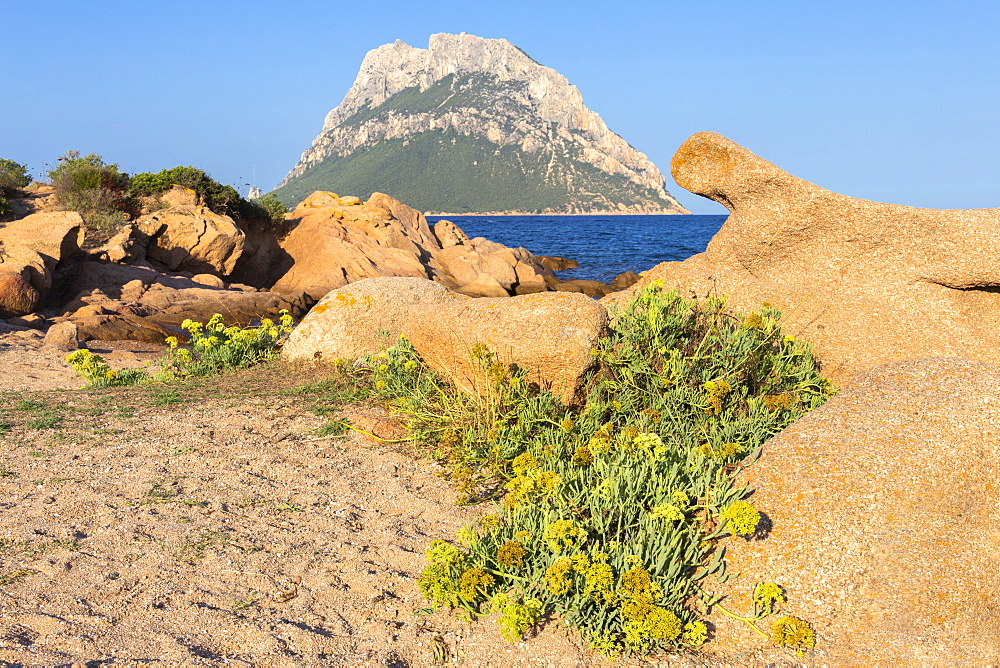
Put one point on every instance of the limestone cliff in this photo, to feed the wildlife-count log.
(472, 124)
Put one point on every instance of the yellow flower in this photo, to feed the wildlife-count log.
(440, 552)
(473, 583)
(563, 534)
(511, 554)
(767, 595)
(557, 576)
(172, 341)
(667, 512)
(794, 633)
(523, 463)
(741, 518)
(651, 444)
(466, 536)
(695, 633)
(583, 456)
(489, 523)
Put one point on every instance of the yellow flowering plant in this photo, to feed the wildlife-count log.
(215, 346)
(611, 512)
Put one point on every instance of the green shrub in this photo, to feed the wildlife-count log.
(13, 176)
(611, 513)
(218, 197)
(94, 189)
(274, 210)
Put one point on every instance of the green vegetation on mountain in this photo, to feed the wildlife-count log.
(445, 171)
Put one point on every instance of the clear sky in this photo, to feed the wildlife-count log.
(886, 100)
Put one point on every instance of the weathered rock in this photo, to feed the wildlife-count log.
(332, 244)
(529, 278)
(128, 245)
(168, 307)
(62, 336)
(210, 280)
(624, 280)
(192, 238)
(484, 285)
(449, 234)
(548, 334)
(884, 504)
(31, 321)
(17, 296)
(866, 283)
(362, 318)
(556, 263)
(120, 328)
(180, 196)
(28, 264)
(55, 235)
(515, 270)
(30, 249)
(594, 289)
(152, 300)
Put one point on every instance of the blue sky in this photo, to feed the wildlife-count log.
(892, 101)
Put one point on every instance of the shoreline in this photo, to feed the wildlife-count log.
(522, 214)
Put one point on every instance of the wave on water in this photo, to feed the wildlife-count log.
(604, 246)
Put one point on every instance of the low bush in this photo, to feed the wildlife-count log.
(610, 514)
(218, 197)
(13, 176)
(94, 189)
(273, 209)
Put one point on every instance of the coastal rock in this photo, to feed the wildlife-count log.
(128, 245)
(449, 234)
(884, 504)
(210, 280)
(362, 318)
(55, 236)
(17, 296)
(31, 266)
(62, 336)
(866, 283)
(192, 238)
(556, 263)
(332, 244)
(548, 334)
(104, 292)
(169, 307)
(594, 289)
(120, 328)
(180, 196)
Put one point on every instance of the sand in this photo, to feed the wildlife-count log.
(208, 524)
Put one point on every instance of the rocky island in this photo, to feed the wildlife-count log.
(474, 125)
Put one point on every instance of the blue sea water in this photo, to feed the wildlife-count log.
(605, 246)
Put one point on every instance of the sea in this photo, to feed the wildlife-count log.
(604, 246)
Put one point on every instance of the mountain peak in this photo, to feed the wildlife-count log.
(486, 92)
